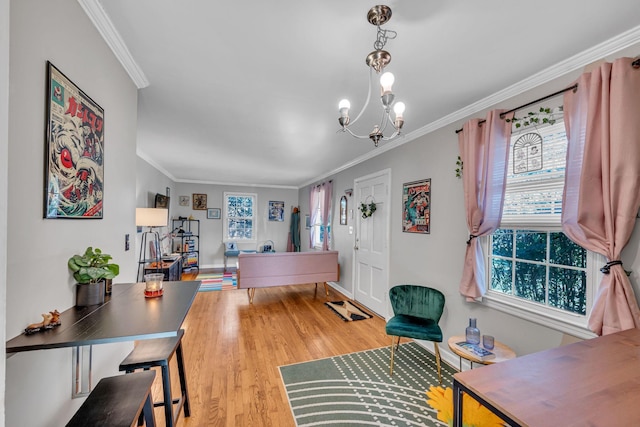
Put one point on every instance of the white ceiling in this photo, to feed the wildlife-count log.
(246, 92)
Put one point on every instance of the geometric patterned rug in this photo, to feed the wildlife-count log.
(356, 389)
(217, 281)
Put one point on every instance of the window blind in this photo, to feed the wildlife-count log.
(535, 198)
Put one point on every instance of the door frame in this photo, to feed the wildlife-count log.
(354, 265)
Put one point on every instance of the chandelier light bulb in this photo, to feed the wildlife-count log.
(377, 61)
(386, 81)
(399, 108)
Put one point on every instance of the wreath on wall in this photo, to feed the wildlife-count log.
(367, 209)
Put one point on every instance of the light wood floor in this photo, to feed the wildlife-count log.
(233, 350)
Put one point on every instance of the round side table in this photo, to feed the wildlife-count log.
(502, 351)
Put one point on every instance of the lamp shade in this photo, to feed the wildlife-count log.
(151, 217)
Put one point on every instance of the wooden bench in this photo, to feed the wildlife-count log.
(118, 401)
(261, 270)
(158, 352)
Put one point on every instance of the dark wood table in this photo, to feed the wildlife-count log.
(126, 315)
(595, 382)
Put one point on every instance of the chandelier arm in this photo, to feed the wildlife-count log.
(390, 137)
(385, 120)
(355, 135)
(366, 104)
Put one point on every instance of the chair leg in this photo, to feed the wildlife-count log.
(391, 368)
(435, 344)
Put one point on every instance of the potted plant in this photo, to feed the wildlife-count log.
(92, 270)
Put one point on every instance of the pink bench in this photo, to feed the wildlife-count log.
(262, 270)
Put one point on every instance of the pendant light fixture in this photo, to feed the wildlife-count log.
(377, 61)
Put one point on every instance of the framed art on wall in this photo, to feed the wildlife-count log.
(161, 201)
(199, 202)
(183, 201)
(276, 211)
(416, 207)
(343, 210)
(74, 164)
(213, 213)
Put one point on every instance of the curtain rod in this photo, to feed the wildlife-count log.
(544, 98)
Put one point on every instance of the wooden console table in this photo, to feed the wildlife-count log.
(126, 315)
(172, 270)
(588, 383)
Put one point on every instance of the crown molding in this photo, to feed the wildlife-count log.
(100, 19)
(166, 173)
(586, 57)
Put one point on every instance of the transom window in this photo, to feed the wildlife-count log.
(533, 270)
(240, 216)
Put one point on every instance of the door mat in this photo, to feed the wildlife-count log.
(347, 311)
(217, 281)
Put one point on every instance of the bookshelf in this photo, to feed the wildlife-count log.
(186, 242)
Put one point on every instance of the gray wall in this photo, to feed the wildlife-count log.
(436, 259)
(151, 181)
(211, 248)
(38, 383)
(4, 176)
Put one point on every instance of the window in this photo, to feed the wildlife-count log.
(534, 271)
(240, 216)
(316, 234)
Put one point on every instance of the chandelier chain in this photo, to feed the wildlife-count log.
(382, 37)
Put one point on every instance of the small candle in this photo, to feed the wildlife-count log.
(153, 285)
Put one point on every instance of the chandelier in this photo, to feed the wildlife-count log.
(377, 60)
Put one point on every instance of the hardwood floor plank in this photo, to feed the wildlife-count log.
(233, 350)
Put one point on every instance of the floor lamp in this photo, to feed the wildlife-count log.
(150, 240)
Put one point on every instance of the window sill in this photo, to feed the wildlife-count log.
(570, 324)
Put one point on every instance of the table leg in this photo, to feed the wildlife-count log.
(459, 390)
(457, 403)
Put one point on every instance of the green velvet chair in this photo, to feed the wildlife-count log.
(417, 311)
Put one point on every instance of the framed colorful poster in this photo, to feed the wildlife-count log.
(276, 211)
(416, 207)
(74, 164)
(213, 213)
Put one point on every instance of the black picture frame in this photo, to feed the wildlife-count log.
(74, 151)
(416, 207)
(343, 210)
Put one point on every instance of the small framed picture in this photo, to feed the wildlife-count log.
(199, 202)
(213, 213)
(276, 211)
(183, 200)
(307, 222)
(416, 207)
(343, 210)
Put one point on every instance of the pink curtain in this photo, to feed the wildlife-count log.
(601, 197)
(484, 150)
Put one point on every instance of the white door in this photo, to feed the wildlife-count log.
(371, 250)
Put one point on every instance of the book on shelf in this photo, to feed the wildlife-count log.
(475, 350)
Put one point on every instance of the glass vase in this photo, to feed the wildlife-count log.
(472, 332)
